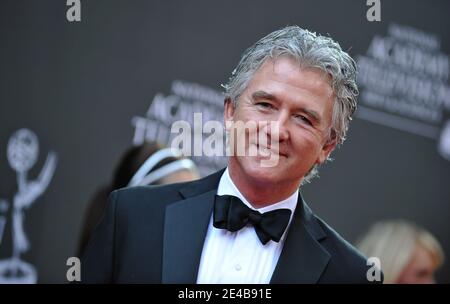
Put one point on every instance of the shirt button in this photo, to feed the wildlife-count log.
(237, 267)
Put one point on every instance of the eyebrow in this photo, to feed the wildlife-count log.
(263, 95)
(267, 96)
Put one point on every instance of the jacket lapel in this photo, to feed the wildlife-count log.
(302, 259)
(185, 228)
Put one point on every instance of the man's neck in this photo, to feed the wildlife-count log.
(260, 194)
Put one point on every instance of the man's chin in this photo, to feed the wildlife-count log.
(256, 170)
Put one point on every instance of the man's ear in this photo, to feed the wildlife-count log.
(228, 113)
(327, 148)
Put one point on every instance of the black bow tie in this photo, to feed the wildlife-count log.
(232, 214)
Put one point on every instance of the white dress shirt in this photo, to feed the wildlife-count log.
(240, 257)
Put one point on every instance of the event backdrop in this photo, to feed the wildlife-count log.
(74, 95)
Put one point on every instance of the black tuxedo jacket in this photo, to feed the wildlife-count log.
(155, 234)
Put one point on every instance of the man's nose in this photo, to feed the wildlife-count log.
(279, 129)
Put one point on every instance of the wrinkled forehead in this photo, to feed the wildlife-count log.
(286, 67)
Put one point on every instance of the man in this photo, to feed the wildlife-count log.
(247, 223)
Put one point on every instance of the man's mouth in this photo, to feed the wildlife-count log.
(267, 151)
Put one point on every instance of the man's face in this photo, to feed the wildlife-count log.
(299, 102)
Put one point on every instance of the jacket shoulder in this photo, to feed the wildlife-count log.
(147, 196)
(347, 264)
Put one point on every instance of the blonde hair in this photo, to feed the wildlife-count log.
(394, 242)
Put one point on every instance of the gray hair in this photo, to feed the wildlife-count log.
(311, 51)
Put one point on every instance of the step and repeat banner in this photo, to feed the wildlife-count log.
(83, 81)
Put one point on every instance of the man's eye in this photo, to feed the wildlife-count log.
(264, 105)
(303, 119)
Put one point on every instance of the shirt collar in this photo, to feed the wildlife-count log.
(227, 187)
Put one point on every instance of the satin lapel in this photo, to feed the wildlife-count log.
(185, 228)
(302, 259)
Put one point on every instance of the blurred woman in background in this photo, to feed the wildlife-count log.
(147, 164)
(408, 253)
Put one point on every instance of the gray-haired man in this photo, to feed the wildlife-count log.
(248, 222)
